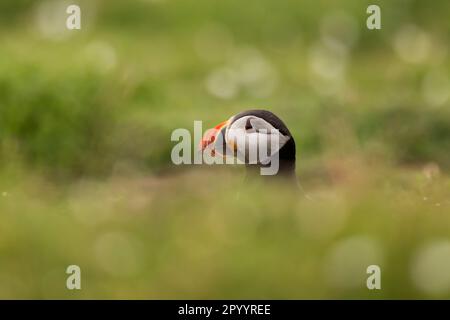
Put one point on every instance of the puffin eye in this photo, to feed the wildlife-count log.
(248, 125)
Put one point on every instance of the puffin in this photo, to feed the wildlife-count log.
(251, 126)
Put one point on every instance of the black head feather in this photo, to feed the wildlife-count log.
(287, 152)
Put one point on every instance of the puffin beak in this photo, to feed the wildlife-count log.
(210, 136)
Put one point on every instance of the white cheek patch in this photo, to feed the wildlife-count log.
(257, 145)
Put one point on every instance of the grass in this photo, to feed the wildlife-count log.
(153, 237)
(86, 176)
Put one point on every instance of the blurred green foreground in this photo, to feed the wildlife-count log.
(85, 170)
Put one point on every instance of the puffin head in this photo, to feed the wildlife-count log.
(257, 138)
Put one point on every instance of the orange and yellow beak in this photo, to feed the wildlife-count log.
(210, 135)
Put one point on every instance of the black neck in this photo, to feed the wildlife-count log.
(286, 161)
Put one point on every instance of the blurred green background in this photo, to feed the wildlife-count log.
(85, 170)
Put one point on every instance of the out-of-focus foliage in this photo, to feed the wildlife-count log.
(85, 170)
(155, 237)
